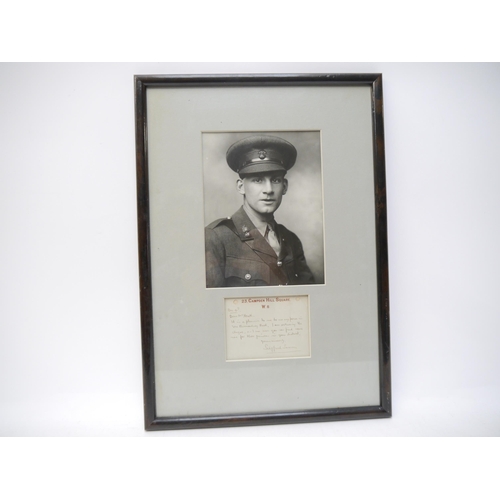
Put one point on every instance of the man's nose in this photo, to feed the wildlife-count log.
(268, 186)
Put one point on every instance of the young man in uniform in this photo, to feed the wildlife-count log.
(250, 248)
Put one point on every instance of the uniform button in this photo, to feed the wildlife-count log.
(296, 275)
(280, 263)
(248, 277)
(244, 229)
(247, 234)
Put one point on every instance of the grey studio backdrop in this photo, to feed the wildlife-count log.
(70, 349)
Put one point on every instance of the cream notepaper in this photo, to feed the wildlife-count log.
(267, 328)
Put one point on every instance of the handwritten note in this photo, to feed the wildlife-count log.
(267, 328)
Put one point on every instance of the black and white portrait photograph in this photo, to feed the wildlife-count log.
(263, 202)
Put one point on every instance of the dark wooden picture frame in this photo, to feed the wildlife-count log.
(155, 420)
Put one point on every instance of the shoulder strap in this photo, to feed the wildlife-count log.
(228, 222)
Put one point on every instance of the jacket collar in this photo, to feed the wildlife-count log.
(248, 233)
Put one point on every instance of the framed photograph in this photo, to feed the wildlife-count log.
(262, 249)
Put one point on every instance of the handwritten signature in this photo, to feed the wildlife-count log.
(278, 345)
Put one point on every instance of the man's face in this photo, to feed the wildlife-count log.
(263, 192)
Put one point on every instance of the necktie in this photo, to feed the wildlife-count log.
(272, 239)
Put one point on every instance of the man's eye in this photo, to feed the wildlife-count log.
(257, 179)
(276, 181)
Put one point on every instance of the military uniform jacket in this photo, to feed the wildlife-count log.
(238, 255)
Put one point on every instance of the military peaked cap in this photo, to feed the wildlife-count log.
(261, 153)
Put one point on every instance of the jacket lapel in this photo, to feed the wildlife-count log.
(249, 234)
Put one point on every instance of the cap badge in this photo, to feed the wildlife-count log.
(262, 154)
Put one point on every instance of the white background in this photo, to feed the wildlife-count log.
(69, 345)
(70, 357)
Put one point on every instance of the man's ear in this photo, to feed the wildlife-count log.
(240, 186)
(285, 186)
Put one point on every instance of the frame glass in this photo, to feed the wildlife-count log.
(262, 249)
